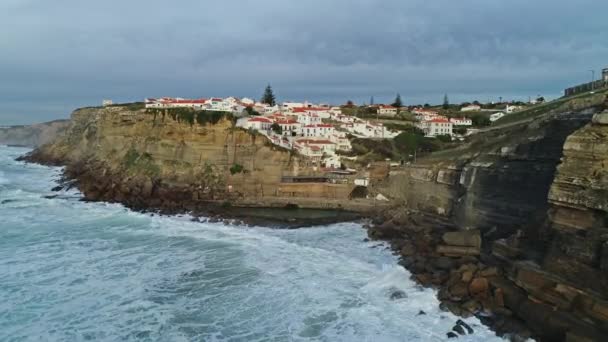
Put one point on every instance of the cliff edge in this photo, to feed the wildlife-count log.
(513, 226)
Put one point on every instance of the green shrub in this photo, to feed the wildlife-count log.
(236, 168)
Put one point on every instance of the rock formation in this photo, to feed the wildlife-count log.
(33, 135)
(513, 227)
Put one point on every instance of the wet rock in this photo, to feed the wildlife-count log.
(459, 329)
(397, 294)
(421, 313)
(459, 291)
(471, 306)
(499, 297)
(470, 238)
(465, 325)
(408, 249)
(451, 307)
(452, 335)
(424, 279)
(444, 263)
(488, 272)
(479, 287)
(467, 276)
(456, 251)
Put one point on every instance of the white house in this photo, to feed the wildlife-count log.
(168, 102)
(258, 123)
(291, 105)
(385, 110)
(324, 145)
(496, 116)
(106, 103)
(511, 109)
(435, 127)
(247, 101)
(317, 130)
(341, 141)
(309, 119)
(471, 108)
(332, 162)
(289, 127)
(461, 121)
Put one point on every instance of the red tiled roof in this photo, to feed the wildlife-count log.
(260, 119)
(319, 126)
(440, 121)
(286, 122)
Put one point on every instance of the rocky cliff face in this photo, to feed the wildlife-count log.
(33, 135)
(513, 226)
(147, 160)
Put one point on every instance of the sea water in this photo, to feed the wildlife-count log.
(78, 271)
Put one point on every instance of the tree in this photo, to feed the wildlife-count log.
(397, 102)
(349, 104)
(446, 102)
(276, 128)
(426, 105)
(251, 111)
(268, 96)
(481, 120)
(540, 99)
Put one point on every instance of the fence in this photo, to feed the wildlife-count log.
(582, 88)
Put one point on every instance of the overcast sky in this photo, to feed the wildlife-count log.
(62, 54)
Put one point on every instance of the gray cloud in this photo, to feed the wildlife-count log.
(61, 54)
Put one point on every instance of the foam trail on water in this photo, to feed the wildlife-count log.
(72, 270)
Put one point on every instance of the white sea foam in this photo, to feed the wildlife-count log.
(72, 270)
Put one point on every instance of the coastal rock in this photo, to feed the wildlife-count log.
(465, 325)
(479, 287)
(459, 329)
(397, 294)
(464, 239)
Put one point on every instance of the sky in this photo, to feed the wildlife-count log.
(59, 55)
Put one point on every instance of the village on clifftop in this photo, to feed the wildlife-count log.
(323, 132)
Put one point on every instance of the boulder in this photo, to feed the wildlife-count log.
(499, 299)
(479, 287)
(397, 294)
(459, 329)
(488, 272)
(471, 306)
(468, 238)
(408, 249)
(456, 251)
(444, 263)
(467, 276)
(459, 291)
(465, 325)
(600, 118)
(452, 335)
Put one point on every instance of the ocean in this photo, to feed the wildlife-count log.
(80, 271)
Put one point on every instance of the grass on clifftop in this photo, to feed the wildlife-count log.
(547, 107)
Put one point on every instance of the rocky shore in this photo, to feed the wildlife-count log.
(98, 183)
(469, 281)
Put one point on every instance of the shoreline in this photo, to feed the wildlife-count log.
(426, 267)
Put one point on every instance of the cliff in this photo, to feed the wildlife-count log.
(180, 162)
(32, 135)
(512, 226)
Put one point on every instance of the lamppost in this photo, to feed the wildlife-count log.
(592, 78)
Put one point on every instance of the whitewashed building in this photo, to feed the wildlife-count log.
(471, 108)
(461, 121)
(386, 110)
(496, 116)
(435, 127)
